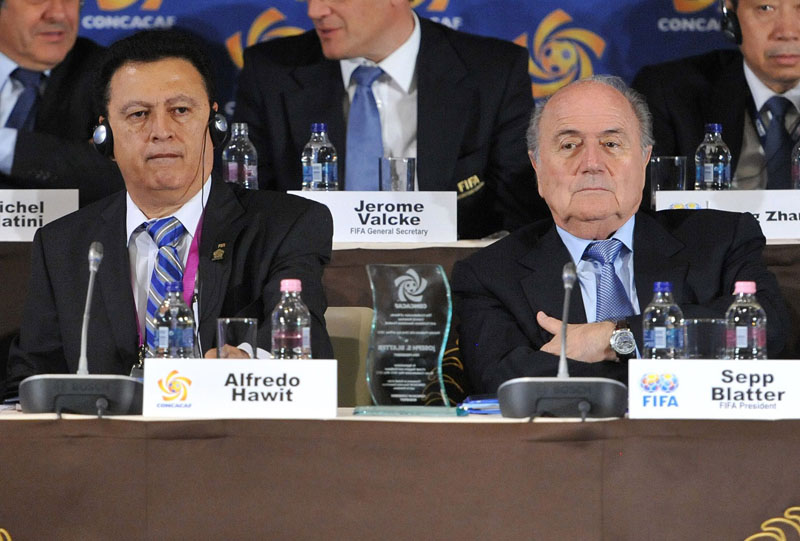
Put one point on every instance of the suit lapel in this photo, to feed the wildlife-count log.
(114, 276)
(443, 103)
(319, 97)
(657, 257)
(222, 225)
(543, 286)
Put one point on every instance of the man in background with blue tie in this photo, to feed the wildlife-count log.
(46, 112)
(590, 144)
(229, 247)
(754, 92)
(389, 83)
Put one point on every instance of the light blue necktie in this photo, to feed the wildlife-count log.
(23, 116)
(166, 233)
(778, 145)
(364, 140)
(612, 302)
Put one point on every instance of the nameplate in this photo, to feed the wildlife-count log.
(713, 389)
(390, 216)
(778, 211)
(240, 388)
(22, 212)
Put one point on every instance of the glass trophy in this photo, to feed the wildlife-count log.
(411, 322)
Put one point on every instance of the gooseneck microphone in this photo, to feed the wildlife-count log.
(95, 257)
(563, 396)
(568, 276)
(101, 394)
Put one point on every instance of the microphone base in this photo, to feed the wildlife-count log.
(89, 394)
(563, 397)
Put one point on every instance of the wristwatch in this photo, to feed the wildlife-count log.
(622, 341)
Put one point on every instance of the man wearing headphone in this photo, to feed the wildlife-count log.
(231, 246)
(753, 92)
(46, 113)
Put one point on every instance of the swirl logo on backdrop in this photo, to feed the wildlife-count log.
(116, 5)
(690, 6)
(262, 29)
(689, 24)
(433, 5)
(410, 286)
(560, 54)
(128, 22)
(174, 387)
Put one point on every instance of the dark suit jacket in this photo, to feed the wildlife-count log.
(500, 289)
(265, 236)
(686, 94)
(57, 154)
(474, 102)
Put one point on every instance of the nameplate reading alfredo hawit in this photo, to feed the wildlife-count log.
(390, 216)
(240, 388)
(22, 212)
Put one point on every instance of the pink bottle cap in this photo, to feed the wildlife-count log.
(745, 287)
(293, 284)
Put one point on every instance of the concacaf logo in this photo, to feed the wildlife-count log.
(259, 31)
(560, 55)
(116, 5)
(174, 387)
(435, 5)
(690, 6)
(410, 286)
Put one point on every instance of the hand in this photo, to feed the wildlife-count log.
(587, 342)
(228, 352)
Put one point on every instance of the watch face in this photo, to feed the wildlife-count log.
(622, 342)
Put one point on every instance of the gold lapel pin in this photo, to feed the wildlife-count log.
(219, 253)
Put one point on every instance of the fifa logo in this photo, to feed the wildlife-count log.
(116, 5)
(410, 286)
(261, 30)
(560, 54)
(690, 6)
(654, 384)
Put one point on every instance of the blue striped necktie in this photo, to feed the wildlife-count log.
(612, 302)
(23, 116)
(778, 144)
(364, 139)
(166, 233)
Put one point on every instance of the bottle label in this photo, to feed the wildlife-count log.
(708, 173)
(162, 337)
(187, 339)
(316, 173)
(659, 337)
(742, 337)
(232, 173)
(251, 176)
(306, 338)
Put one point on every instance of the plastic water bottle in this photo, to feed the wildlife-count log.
(291, 324)
(319, 161)
(712, 161)
(175, 329)
(746, 324)
(662, 322)
(240, 159)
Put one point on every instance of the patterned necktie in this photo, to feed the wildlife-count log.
(364, 140)
(612, 302)
(166, 233)
(23, 116)
(778, 145)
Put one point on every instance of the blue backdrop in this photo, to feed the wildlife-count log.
(566, 39)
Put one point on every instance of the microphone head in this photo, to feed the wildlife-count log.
(95, 255)
(569, 275)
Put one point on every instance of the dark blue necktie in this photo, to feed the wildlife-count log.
(23, 116)
(778, 145)
(166, 233)
(364, 140)
(612, 302)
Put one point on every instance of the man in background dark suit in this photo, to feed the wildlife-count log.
(734, 88)
(590, 145)
(459, 103)
(50, 148)
(157, 90)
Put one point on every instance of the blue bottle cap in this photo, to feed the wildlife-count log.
(174, 286)
(713, 128)
(318, 127)
(662, 287)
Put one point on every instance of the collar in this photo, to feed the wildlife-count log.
(189, 214)
(399, 66)
(761, 93)
(7, 66)
(577, 246)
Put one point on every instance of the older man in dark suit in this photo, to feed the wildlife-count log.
(590, 144)
(459, 103)
(46, 109)
(231, 247)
